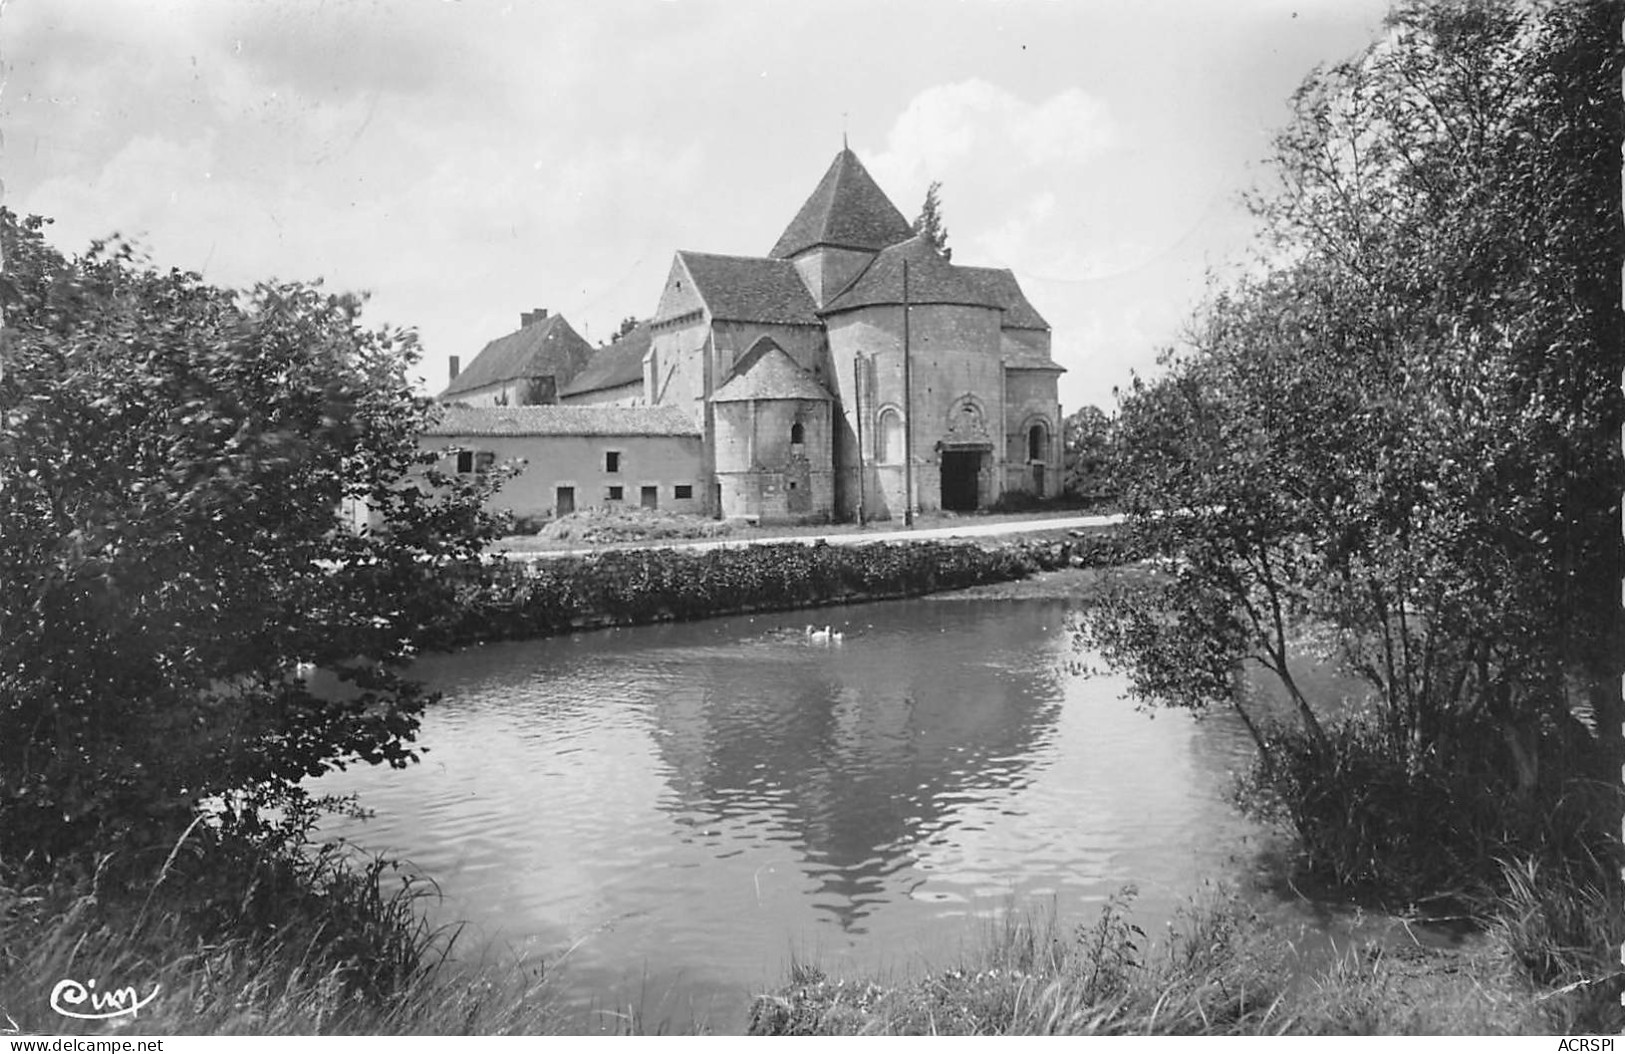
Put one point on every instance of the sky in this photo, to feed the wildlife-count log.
(462, 161)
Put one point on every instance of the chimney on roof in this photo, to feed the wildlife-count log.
(528, 317)
(456, 365)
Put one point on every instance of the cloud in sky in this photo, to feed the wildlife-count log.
(466, 161)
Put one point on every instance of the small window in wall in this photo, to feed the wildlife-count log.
(649, 497)
(889, 449)
(798, 434)
(1038, 443)
(474, 461)
(683, 491)
(614, 493)
(612, 461)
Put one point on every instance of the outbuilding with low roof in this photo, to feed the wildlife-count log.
(575, 457)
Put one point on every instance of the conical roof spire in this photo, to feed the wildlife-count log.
(847, 210)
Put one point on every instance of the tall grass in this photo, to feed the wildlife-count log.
(1219, 970)
(270, 946)
(1029, 975)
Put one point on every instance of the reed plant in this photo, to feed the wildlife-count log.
(1220, 969)
(1029, 975)
(255, 940)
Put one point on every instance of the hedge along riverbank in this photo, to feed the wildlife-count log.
(518, 600)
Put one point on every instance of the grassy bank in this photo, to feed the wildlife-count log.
(1220, 969)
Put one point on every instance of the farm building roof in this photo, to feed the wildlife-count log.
(611, 367)
(563, 421)
(549, 347)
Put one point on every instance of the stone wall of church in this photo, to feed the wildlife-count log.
(958, 398)
(1031, 399)
(674, 369)
(762, 472)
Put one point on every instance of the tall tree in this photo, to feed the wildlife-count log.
(1088, 440)
(1398, 436)
(173, 459)
(929, 221)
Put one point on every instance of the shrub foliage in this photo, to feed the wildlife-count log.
(1395, 445)
(173, 459)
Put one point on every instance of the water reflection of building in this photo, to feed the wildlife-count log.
(856, 754)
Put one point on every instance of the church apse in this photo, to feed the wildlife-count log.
(774, 439)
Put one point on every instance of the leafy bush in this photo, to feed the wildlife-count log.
(173, 459)
(521, 599)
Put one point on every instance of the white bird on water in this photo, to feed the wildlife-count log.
(820, 635)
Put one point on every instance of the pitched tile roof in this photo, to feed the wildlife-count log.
(1028, 359)
(772, 375)
(751, 288)
(546, 348)
(618, 364)
(847, 210)
(563, 421)
(931, 280)
(1001, 285)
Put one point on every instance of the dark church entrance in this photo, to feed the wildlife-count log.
(961, 472)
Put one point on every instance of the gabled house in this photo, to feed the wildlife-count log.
(527, 367)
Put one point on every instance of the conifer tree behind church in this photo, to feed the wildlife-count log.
(929, 221)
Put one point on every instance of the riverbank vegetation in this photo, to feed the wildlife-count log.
(1394, 449)
(174, 459)
(1218, 970)
(520, 600)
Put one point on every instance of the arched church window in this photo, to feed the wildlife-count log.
(1038, 443)
(890, 435)
(798, 434)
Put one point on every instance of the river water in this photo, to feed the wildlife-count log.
(665, 815)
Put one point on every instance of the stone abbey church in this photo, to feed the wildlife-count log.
(787, 375)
